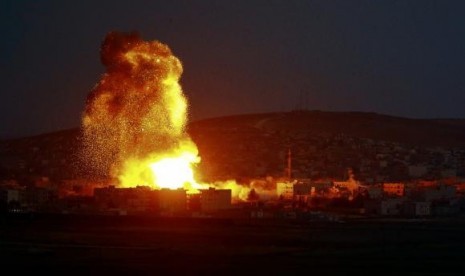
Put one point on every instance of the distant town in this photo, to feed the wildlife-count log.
(298, 173)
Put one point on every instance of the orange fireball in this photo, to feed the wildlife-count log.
(135, 117)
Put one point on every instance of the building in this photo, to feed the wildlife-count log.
(303, 189)
(172, 201)
(306, 187)
(285, 190)
(37, 198)
(374, 191)
(215, 199)
(395, 189)
(417, 208)
(352, 186)
(438, 192)
(10, 195)
(441, 192)
(135, 199)
(384, 207)
(141, 199)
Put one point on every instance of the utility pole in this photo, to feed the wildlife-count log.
(289, 164)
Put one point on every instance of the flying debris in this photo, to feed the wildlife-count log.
(135, 117)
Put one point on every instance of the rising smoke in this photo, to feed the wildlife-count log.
(135, 117)
(137, 112)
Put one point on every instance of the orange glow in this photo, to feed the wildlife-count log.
(241, 192)
(134, 122)
(173, 172)
(135, 118)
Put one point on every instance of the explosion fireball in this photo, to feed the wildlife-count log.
(135, 117)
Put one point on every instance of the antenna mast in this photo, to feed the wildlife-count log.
(289, 164)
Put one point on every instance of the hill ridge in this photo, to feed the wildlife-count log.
(256, 144)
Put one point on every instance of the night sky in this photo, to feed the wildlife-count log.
(402, 58)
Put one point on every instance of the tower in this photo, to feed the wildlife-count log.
(289, 164)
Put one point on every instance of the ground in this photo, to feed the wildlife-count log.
(171, 246)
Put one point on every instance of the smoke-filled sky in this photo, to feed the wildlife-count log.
(403, 58)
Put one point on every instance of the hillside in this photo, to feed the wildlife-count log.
(323, 144)
(420, 132)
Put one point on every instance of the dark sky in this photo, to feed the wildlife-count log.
(403, 58)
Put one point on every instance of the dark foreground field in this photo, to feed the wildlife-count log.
(154, 246)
